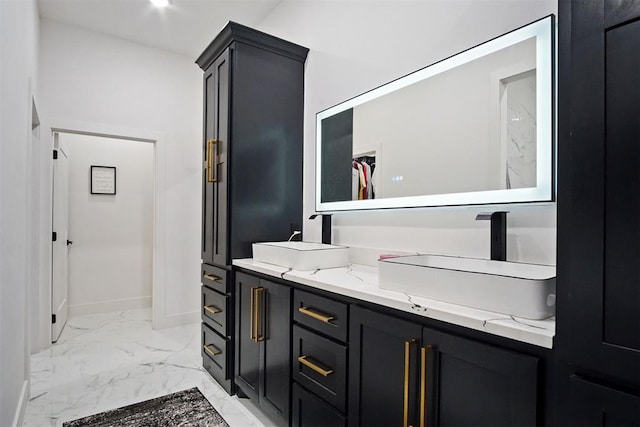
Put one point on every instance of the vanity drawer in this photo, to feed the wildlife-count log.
(215, 278)
(320, 365)
(215, 310)
(322, 314)
(215, 353)
(310, 411)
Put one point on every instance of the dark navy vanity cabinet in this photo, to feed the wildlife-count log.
(251, 170)
(598, 328)
(361, 364)
(402, 373)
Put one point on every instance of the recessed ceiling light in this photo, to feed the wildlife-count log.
(160, 3)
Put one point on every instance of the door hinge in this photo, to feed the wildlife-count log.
(53, 318)
(55, 236)
(55, 154)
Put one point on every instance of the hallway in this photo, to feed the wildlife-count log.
(109, 360)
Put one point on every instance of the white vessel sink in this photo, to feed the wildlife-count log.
(301, 255)
(521, 290)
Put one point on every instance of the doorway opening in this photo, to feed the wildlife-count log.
(103, 224)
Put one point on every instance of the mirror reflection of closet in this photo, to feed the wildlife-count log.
(364, 184)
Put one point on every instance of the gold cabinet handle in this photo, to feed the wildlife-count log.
(259, 336)
(424, 352)
(252, 313)
(407, 361)
(211, 350)
(211, 277)
(306, 362)
(212, 309)
(321, 317)
(208, 160)
(211, 166)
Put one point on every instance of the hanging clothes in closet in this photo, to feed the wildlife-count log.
(363, 177)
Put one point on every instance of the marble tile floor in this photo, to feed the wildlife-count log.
(106, 361)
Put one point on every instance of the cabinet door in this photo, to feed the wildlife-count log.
(215, 166)
(595, 405)
(383, 370)
(273, 302)
(467, 383)
(247, 369)
(599, 222)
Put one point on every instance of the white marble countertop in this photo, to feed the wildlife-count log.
(361, 282)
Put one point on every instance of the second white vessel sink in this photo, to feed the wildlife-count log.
(301, 255)
(521, 290)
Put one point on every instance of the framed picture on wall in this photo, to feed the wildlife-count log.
(103, 180)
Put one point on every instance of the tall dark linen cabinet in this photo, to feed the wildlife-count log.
(598, 323)
(252, 168)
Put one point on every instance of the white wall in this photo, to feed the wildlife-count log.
(18, 77)
(110, 260)
(356, 46)
(100, 82)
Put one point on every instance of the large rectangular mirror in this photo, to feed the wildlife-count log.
(475, 128)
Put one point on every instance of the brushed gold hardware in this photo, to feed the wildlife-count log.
(259, 336)
(252, 313)
(212, 309)
(211, 350)
(214, 165)
(306, 362)
(211, 165)
(424, 352)
(206, 159)
(321, 317)
(209, 161)
(256, 312)
(407, 360)
(211, 277)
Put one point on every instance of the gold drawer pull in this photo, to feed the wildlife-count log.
(211, 277)
(212, 309)
(211, 350)
(321, 317)
(306, 362)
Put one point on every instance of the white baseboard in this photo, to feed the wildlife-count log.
(18, 418)
(108, 306)
(162, 322)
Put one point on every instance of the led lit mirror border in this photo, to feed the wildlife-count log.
(543, 31)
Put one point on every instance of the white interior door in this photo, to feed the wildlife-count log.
(60, 264)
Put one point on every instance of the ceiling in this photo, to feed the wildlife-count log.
(185, 26)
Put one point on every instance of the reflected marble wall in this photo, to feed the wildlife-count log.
(520, 91)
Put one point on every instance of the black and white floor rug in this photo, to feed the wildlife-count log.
(184, 408)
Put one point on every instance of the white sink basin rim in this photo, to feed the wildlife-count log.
(518, 289)
(301, 255)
